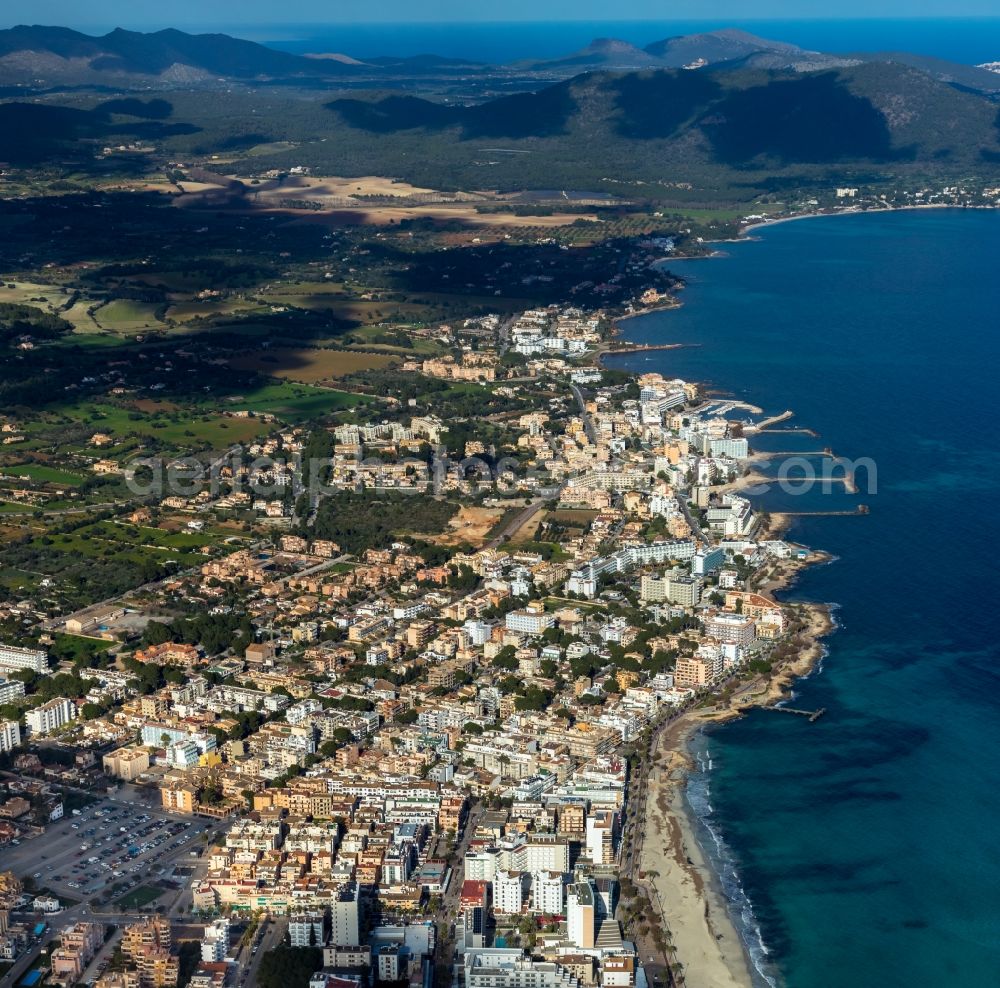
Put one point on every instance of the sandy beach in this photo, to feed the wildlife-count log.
(672, 863)
(692, 904)
(845, 211)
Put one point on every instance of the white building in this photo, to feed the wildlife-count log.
(390, 968)
(11, 690)
(306, 929)
(735, 449)
(548, 890)
(601, 837)
(581, 915)
(530, 621)
(50, 716)
(10, 735)
(215, 941)
(480, 866)
(344, 926)
(509, 891)
(538, 852)
(12, 657)
(732, 629)
(502, 967)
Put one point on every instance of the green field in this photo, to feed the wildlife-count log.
(83, 546)
(125, 316)
(172, 426)
(155, 538)
(73, 647)
(139, 897)
(195, 309)
(298, 402)
(40, 473)
(17, 579)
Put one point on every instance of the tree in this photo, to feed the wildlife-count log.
(289, 967)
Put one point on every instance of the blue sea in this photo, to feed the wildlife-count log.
(967, 40)
(862, 850)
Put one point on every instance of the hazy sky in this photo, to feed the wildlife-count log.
(231, 14)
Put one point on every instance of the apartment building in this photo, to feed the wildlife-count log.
(10, 735)
(126, 764)
(533, 620)
(50, 716)
(731, 629)
(12, 657)
(10, 690)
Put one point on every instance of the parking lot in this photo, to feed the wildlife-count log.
(118, 841)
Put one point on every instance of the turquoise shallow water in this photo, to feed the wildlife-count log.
(864, 846)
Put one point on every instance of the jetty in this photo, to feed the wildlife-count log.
(765, 454)
(774, 432)
(773, 420)
(813, 715)
(861, 509)
(645, 347)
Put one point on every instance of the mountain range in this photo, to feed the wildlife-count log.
(713, 117)
(51, 57)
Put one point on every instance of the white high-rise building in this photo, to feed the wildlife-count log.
(50, 716)
(533, 620)
(548, 890)
(537, 852)
(10, 690)
(601, 836)
(480, 866)
(306, 929)
(581, 915)
(12, 657)
(344, 925)
(215, 941)
(10, 735)
(508, 891)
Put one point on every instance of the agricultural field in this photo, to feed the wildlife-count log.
(125, 316)
(12, 508)
(189, 309)
(172, 428)
(43, 474)
(88, 562)
(295, 403)
(573, 517)
(32, 293)
(147, 537)
(309, 365)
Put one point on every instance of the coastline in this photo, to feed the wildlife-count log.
(703, 924)
(672, 301)
(712, 932)
(693, 904)
(846, 211)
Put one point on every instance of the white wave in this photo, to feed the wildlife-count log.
(724, 864)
